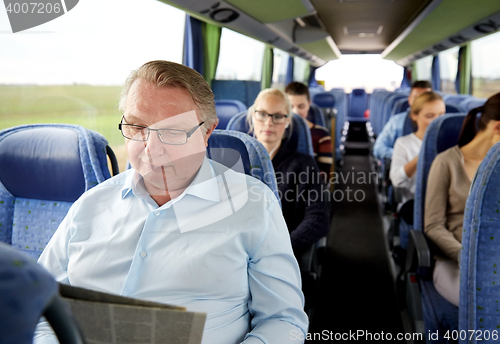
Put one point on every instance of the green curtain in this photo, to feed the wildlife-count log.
(306, 73)
(465, 68)
(211, 39)
(414, 72)
(267, 67)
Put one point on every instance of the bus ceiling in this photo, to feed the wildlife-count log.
(323, 30)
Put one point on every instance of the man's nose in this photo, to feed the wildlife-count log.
(154, 146)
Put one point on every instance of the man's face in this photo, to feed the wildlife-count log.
(164, 166)
(415, 92)
(300, 104)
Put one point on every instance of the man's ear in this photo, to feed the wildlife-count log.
(209, 132)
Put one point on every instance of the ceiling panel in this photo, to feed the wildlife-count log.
(367, 26)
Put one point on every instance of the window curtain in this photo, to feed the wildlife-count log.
(311, 81)
(406, 82)
(289, 70)
(414, 72)
(211, 39)
(463, 83)
(193, 44)
(436, 74)
(267, 67)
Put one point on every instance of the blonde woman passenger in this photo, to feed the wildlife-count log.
(305, 206)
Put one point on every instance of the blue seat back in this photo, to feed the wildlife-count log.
(299, 139)
(228, 147)
(479, 281)
(358, 103)
(401, 105)
(226, 109)
(316, 115)
(471, 103)
(441, 134)
(26, 289)
(454, 108)
(455, 99)
(45, 168)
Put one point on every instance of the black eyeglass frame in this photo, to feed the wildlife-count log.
(188, 133)
(272, 115)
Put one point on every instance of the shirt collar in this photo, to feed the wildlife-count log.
(203, 186)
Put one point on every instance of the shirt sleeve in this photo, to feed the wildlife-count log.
(276, 303)
(384, 144)
(399, 159)
(436, 203)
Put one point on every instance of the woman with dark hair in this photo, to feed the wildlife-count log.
(448, 187)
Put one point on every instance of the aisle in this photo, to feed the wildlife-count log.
(357, 291)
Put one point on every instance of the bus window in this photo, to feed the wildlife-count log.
(361, 71)
(448, 65)
(280, 65)
(300, 70)
(424, 68)
(485, 66)
(67, 71)
(240, 57)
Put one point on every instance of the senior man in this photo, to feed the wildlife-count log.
(179, 228)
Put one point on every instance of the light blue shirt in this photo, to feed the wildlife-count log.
(222, 247)
(393, 129)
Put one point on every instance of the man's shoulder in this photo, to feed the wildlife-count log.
(110, 186)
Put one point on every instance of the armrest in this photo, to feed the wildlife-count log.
(307, 258)
(59, 316)
(418, 255)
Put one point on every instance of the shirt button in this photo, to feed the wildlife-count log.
(157, 213)
(143, 254)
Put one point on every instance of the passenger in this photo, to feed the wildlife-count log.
(393, 129)
(305, 206)
(168, 230)
(448, 186)
(300, 99)
(426, 107)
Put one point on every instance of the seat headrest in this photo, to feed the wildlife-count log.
(358, 92)
(42, 163)
(227, 150)
(324, 100)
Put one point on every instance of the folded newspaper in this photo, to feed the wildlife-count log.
(113, 319)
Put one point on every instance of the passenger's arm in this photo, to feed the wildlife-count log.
(276, 303)
(384, 144)
(436, 203)
(398, 174)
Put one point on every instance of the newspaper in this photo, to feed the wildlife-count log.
(112, 319)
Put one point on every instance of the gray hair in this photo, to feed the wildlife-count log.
(170, 74)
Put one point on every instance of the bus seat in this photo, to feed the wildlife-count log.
(316, 116)
(45, 168)
(427, 308)
(255, 158)
(471, 103)
(28, 291)
(401, 105)
(454, 108)
(226, 109)
(299, 140)
(455, 99)
(357, 105)
(479, 287)
(327, 102)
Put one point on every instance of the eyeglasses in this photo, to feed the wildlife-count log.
(168, 136)
(277, 118)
